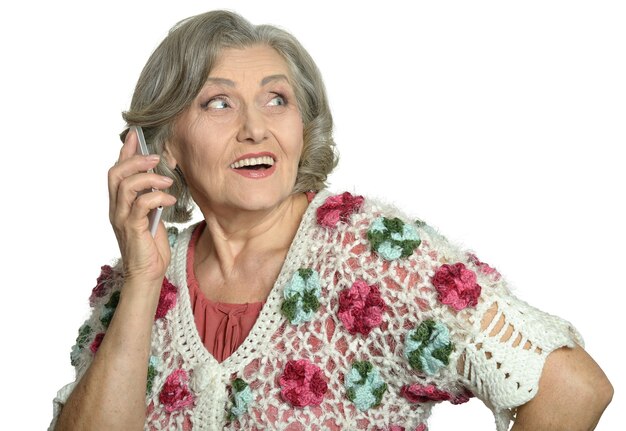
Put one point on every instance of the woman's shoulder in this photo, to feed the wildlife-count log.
(392, 232)
(376, 241)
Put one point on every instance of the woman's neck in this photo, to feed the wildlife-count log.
(228, 239)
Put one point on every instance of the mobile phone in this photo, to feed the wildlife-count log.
(155, 214)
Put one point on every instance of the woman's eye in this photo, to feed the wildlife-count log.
(216, 103)
(277, 100)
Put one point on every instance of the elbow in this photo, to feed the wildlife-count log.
(601, 394)
(593, 399)
(573, 394)
(590, 393)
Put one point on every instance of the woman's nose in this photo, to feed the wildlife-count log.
(253, 127)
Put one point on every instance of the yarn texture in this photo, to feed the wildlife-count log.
(373, 320)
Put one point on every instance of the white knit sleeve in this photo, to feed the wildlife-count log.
(503, 342)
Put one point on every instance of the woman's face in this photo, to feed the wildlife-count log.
(239, 143)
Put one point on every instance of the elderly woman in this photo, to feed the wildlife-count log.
(288, 307)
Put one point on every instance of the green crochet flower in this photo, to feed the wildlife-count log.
(242, 398)
(152, 372)
(392, 238)
(428, 347)
(109, 309)
(302, 295)
(364, 386)
(84, 333)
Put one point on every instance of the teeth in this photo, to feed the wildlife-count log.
(265, 160)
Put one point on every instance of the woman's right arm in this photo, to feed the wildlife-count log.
(111, 393)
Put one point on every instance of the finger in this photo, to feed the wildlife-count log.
(130, 190)
(125, 169)
(137, 219)
(129, 148)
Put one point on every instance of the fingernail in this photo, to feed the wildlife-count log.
(167, 180)
(153, 158)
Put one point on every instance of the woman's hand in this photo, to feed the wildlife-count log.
(145, 258)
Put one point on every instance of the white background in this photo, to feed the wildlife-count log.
(500, 123)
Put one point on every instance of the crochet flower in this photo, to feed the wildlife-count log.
(152, 372)
(417, 393)
(109, 309)
(102, 285)
(361, 308)
(392, 238)
(483, 267)
(302, 383)
(428, 347)
(84, 332)
(461, 398)
(457, 286)
(95, 344)
(364, 386)
(172, 235)
(242, 397)
(175, 393)
(420, 427)
(338, 208)
(205, 375)
(302, 295)
(167, 299)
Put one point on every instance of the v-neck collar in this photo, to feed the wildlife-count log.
(185, 336)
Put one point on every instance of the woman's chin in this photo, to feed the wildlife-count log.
(259, 201)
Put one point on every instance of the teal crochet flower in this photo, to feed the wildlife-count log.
(302, 295)
(428, 347)
(392, 238)
(172, 235)
(84, 333)
(364, 386)
(152, 372)
(242, 397)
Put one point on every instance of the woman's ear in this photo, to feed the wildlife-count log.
(168, 156)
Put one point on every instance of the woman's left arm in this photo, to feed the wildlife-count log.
(573, 393)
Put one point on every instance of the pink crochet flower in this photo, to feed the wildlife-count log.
(483, 267)
(95, 344)
(420, 427)
(461, 398)
(338, 208)
(417, 393)
(302, 383)
(101, 286)
(167, 299)
(175, 393)
(457, 286)
(361, 308)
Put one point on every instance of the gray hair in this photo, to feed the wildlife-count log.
(177, 70)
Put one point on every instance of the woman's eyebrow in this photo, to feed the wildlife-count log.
(271, 78)
(264, 81)
(222, 81)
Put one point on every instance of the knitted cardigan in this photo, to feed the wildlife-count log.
(374, 318)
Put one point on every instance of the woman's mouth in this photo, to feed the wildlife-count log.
(255, 165)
